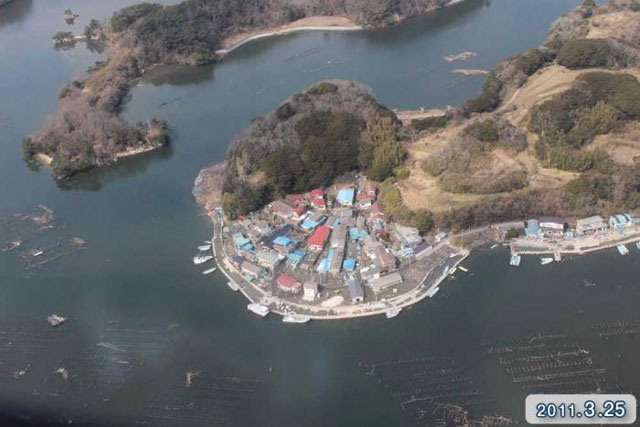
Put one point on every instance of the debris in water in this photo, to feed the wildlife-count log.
(63, 372)
(22, 373)
(56, 320)
(109, 346)
(460, 56)
(190, 377)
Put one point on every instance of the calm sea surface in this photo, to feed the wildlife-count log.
(141, 315)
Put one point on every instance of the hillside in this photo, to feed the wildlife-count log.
(87, 130)
(554, 131)
(330, 129)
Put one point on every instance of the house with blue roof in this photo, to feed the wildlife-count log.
(349, 264)
(620, 222)
(346, 196)
(296, 258)
(532, 228)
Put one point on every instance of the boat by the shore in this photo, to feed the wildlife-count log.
(233, 285)
(545, 261)
(452, 270)
(494, 246)
(622, 249)
(515, 260)
(465, 269)
(259, 309)
(209, 271)
(391, 313)
(433, 291)
(296, 318)
(201, 259)
(204, 248)
(446, 270)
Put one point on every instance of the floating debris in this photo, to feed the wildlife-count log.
(21, 373)
(460, 56)
(56, 320)
(469, 72)
(63, 373)
(190, 377)
(110, 346)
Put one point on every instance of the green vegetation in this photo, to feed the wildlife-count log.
(431, 123)
(597, 104)
(423, 220)
(532, 60)
(512, 234)
(590, 53)
(489, 98)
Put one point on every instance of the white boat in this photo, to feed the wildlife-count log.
(432, 292)
(207, 242)
(393, 312)
(200, 259)
(56, 320)
(452, 270)
(545, 261)
(515, 260)
(446, 270)
(623, 249)
(209, 271)
(295, 318)
(466, 270)
(259, 309)
(204, 248)
(494, 246)
(638, 244)
(234, 286)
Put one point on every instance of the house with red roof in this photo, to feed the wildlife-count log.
(376, 211)
(288, 283)
(295, 199)
(299, 212)
(366, 200)
(317, 240)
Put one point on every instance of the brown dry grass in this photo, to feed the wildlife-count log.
(610, 24)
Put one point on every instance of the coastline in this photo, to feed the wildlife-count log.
(279, 31)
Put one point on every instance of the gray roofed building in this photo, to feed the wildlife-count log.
(336, 262)
(406, 236)
(339, 237)
(591, 225)
(385, 282)
(252, 269)
(269, 259)
(356, 292)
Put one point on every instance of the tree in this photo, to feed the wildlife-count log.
(423, 221)
(512, 233)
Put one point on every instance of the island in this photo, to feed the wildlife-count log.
(88, 131)
(334, 206)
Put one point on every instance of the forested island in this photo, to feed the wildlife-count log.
(555, 131)
(87, 130)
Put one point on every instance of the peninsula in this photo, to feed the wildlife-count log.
(547, 149)
(87, 130)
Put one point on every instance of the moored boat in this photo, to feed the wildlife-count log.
(466, 270)
(200, 259)
(494, 246)
(295, 318)
(234, 286)
(259, 309)
(209, 271)
(545, 261)
(204, 248)
(431, 293)
(393, 312)
(515, 260)
(446, 270)
(638, 244)
(452, 270)
(622, 249)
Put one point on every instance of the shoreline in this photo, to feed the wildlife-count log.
(275, 32)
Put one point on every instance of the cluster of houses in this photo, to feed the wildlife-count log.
(554, 227)
(305, 241)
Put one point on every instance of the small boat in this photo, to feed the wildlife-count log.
(209, 271)
(295, 318)
(623, 249)
(391, 313)
(234, 286)
(259, 309)
(494, 246)
(515, 260)
(207, 242)
(37, 253)
(446, 270)
(638, 244)
(557, 256)
(466, 270)
(56, 320)
(545, 261)
(201, 259)
(204, 248)
(452, 270)
(432, 292)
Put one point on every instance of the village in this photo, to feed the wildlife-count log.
(553, 235)
(330, 253)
